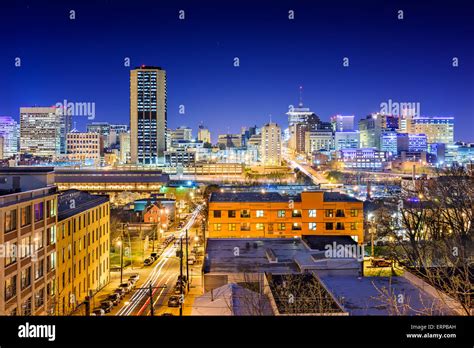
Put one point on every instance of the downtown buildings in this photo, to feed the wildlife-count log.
(271, 145)
(43, 233)
(148, 115)
(9, 132)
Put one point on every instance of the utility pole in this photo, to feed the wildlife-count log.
(181, 278)
(151, 301)
(150, 289)
(187, 263)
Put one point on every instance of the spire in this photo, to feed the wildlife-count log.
(301, 97)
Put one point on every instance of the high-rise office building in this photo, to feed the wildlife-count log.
(346, 140)
(148, 115)
(437, 129)
(84, 147)
(371, 129)
(271, 145)
(40, 131)
(342, 123)
(204, 134)
(9, 133)
(65, 126)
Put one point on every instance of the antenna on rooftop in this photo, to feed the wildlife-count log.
(301, 97)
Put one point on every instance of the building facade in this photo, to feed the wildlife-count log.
(40, 131)
(148, 115)
(272, 215)
(270, 154)
(9, 133)
(28, 218)
(84, 147)
(83, 241)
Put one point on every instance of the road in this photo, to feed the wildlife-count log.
(164, 273)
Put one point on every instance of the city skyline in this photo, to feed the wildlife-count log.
(203, 81)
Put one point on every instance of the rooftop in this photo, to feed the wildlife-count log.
(271, 255)
(82, 201)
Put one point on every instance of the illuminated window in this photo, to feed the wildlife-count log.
(354, 212)
(312, 213)
(281, 213)
(329, 213)
(259, 213)
(232, 227)
(232, 213)
(312, 226)
(260, 227)
(296, 213)
(281, 227)
(217, 227)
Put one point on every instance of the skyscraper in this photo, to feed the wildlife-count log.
(342, 123)
(204, 134)
(271, 145)
(40, 131)
(437, 129)
(9, 133)
(148, 116)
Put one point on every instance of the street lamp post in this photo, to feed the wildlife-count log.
(120, 244)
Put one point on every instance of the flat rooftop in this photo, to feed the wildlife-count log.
(109, 176)
(359, 296)
(82, 201)
(270, 255)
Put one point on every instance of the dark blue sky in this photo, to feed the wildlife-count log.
(82, 60)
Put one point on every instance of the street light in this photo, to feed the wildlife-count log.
(120, 244)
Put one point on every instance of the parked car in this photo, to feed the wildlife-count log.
(148, 261)
(191, 260)
(120, 292)
(114, 298)
(98, 311)
(106, 306)
(173, 301)
(177, 289)
(380, 262)
(155, 255)
(126, 286)
(134, 277)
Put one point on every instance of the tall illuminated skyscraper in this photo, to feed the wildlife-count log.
(40, 131)
(148, 115)
(9, 133)
(271, 145)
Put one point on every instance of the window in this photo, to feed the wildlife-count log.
(217, 213)
(51, 208)
(39, 269)
(354, 212)
(217, 227)
(51, 232)
(10, 220)
(296, 227)
(281, 213)
(232, 213)
(232, 227)
(39, 211)
(38, 241)
(245, 213)
(52, 261)
(281, 227)
(329, 226)
(312, 213)
(259, 213)
(25, 278)
(39, 298)
(260, 227)
(25, 247)
(340, 213)
(312, 226)
(245, 227)
(340, 226)
(353, 226)
(10, 253)
(10, 287)
(26, 307)
(296, 213)
(25, 216)
(329, 213)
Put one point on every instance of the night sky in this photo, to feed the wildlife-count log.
(82, 60)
